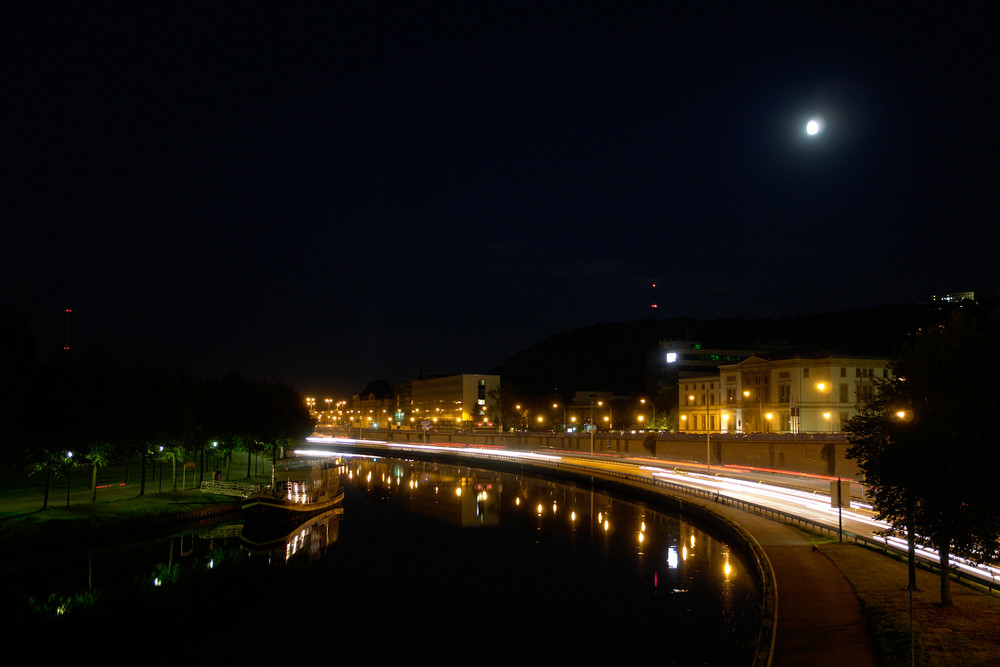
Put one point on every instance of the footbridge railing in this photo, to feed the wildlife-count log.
(236, 489)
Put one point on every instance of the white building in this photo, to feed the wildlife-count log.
(780, 394)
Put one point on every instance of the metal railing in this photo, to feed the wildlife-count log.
(235, 489)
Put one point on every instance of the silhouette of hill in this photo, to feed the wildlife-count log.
(614, 357)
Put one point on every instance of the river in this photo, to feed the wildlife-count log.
(422, 559)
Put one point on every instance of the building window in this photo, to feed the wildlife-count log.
(843, 392)
(843, 372)
(805, 372)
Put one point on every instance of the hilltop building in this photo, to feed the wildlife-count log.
(677, 359)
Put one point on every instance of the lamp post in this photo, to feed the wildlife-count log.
(824, 387)
(653, 408)
(708, 432)
(760, 407)
(593, 426)
(708, 437)
(69, 469)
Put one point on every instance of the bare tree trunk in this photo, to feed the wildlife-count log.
(944, 553)
(93, 482)
(48, 487)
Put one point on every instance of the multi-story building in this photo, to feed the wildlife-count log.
(681, 359)
(452, 401)
(373, 407)
(789, 393)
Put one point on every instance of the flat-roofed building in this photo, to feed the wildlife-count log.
(452, 401)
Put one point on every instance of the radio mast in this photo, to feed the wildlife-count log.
(66, 344)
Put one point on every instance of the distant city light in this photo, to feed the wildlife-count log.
(671, 357)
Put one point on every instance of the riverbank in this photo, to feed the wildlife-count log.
(75, 515)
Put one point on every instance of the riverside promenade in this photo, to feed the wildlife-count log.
(818, 616)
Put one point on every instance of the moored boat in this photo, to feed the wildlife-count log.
(300, 485)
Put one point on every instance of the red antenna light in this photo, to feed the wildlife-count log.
(66, 345)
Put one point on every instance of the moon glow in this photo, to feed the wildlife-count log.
(812, 127)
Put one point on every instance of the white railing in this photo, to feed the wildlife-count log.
(237, 489)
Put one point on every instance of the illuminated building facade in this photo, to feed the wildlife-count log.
(452, 401)
(789, 393)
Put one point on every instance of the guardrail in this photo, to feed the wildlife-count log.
(980, 575)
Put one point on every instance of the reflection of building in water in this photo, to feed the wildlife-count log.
(593, 529)
(454, 494)
(294, 544)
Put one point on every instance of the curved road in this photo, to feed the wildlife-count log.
(802, 496)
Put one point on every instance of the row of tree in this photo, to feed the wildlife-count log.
(928, 443)
(96, 410)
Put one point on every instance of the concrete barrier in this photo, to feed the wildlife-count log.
(811, 454)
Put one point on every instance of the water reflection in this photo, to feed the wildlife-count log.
(422, 551)
(294, 544)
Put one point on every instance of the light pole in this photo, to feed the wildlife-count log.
(824, 387)
(708, 432)
(760, 407)
(653, 407)
(708, 437)
(592, 427)
(69, 469)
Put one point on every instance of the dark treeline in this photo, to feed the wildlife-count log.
(96, 410)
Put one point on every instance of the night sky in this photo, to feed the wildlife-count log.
(329, 193)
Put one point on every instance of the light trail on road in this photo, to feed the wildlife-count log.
(805, 503)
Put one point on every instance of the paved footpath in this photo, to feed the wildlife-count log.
(819, 619)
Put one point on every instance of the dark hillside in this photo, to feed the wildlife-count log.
(613, 357)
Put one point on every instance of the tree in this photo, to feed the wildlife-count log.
(926, 444)
(504, 398)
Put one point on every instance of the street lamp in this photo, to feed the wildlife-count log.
(69, 469)
(593, 425)
(824, 387)
(653, 407)
(760, 406)
(708, 432)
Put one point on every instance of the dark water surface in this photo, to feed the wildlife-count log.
(422, 561)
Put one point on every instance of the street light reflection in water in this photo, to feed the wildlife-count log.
(426, 552)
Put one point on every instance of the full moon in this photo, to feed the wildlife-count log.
(812, 127)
